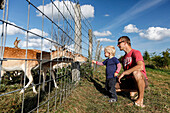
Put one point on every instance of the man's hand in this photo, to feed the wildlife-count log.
(122, 75)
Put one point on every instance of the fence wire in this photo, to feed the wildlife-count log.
(39, 62)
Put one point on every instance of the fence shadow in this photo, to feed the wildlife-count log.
(99, 86)
(103, 90)
(30, 103)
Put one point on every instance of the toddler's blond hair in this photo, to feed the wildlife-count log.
(110, 49)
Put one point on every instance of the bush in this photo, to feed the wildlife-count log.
(161, 61)
(86, 70)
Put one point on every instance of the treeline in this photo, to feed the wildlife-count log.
(161, 60)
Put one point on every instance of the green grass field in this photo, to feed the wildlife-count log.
(89, 98)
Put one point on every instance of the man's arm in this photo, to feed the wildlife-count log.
(138, 67)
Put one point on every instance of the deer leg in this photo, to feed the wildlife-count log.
(10, 78)
(29, 75)
(55, 84)
(44, 78)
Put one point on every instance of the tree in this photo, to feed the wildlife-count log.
(120, 59)
(166, 58)
(157, 61)
(162, 60)
(146, 56)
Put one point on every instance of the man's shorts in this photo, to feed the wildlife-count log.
(129, 82)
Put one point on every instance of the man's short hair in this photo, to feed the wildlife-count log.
(126, 39)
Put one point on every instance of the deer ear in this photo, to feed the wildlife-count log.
(63, 47)
(56, 47)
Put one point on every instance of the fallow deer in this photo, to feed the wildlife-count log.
(59, 56)
(14, 59)
(16, 42)
(80, 58)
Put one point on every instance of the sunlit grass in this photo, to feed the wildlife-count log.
(89, 97)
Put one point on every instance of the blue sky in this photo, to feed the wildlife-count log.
(146, 22)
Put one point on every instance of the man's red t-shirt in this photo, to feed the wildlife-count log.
(130, 60)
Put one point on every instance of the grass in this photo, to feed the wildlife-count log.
(12, 103)
(88, 97)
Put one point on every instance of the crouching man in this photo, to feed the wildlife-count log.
(134, 78)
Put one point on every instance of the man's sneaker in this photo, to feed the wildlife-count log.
(112, 100)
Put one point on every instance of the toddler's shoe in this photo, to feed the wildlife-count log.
(112, 100)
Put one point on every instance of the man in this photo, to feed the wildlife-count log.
(135, 78)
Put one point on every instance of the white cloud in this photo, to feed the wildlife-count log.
(38, 32)
(105, 40)
(100, 34)
(11, 30)
(35, 41)
(87, 10)
(36, 44)
(155, 33)
(131, 29)
(106, 15)
(152, 33)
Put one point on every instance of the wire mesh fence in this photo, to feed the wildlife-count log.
(42, 46)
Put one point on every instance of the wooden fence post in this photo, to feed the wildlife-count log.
(90, 45)
(98, 58)
(77, 38)
(77, 45)
(97, 49)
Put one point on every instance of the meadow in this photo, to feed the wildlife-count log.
(89, 96)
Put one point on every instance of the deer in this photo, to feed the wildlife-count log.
(18, 62)
(61, 56)
(16, 42)
(58, 56)
(14, 60)
(80, 58)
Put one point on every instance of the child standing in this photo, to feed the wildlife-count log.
(113, 67)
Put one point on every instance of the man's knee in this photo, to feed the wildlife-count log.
(138, 75)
